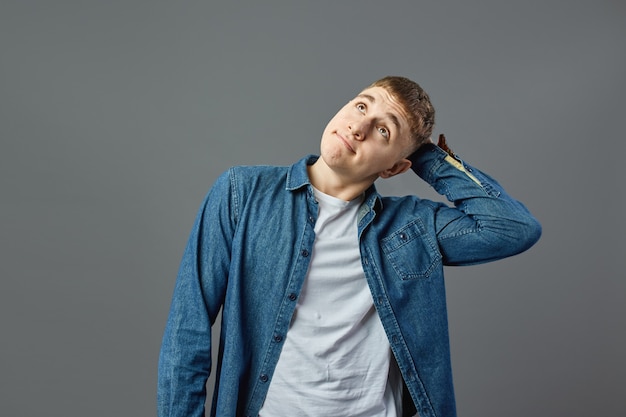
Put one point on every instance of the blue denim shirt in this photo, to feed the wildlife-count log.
(249, 251)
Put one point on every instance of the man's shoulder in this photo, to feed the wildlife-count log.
(251, 169)
(254, 176)
(257, 171)
(254, 173)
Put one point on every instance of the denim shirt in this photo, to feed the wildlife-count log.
(249, 251)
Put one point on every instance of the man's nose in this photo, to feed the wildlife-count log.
(358, 129)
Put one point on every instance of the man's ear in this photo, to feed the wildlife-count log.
(398, 168)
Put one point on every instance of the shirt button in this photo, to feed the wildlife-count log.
(278, 338)
(263, 378)
(292, 297)
(305, 253)
(403, 236)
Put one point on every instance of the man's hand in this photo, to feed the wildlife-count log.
(444, 145)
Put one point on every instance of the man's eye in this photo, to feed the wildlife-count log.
(384, 132)
(360, 107)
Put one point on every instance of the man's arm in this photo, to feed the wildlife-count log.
(485, 223)
(185, 358)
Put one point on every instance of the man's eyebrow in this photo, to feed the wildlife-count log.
(367, 96)
(391, 116)
(394, 119)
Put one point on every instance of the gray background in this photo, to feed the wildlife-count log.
(117, 116)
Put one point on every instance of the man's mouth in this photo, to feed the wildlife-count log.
(345, 142)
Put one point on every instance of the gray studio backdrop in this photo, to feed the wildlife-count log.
(117, 116)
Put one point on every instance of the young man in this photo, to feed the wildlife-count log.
(333, 296)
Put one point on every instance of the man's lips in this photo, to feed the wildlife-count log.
(345, 142)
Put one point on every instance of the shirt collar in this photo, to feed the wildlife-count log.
(298, 177)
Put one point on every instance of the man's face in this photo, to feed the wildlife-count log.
(368, 138)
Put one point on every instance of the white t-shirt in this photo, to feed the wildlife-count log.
(336, 360)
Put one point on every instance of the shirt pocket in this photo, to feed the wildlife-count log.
(411, 251)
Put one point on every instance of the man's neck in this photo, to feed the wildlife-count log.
(332, 183)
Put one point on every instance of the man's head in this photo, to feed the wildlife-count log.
(372, 136)
(419, 110)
